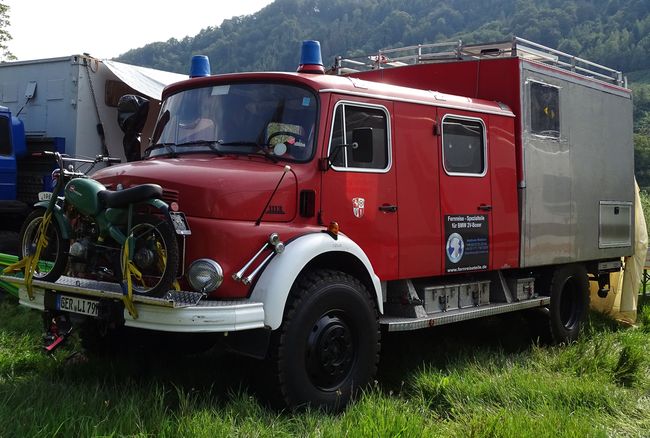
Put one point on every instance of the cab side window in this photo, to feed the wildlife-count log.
(360, 138)
(463, 146)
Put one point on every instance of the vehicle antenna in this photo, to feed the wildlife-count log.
(287, 168)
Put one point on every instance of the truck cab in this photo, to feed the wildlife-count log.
(399, 170)
(12, 148)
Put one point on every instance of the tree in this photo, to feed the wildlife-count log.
(5, 36)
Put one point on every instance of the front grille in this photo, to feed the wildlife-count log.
(170, 196)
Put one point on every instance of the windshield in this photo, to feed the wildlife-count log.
(275, 120)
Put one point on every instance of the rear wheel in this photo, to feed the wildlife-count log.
(155, 255)
(569, 302)
(328, 345)
(54, 255)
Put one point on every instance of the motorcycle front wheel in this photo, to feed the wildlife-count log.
(54, 255)
(154, 255)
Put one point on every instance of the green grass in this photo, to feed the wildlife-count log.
(475, 379)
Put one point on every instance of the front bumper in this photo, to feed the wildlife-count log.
(161, 314)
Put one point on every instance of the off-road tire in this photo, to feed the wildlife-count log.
(569, 290)
(327, 347)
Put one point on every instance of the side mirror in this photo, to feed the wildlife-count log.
(361, 149)
(131, 112)
(362, 138)
(18, 137)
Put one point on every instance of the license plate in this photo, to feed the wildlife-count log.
(180, 223)
(44, 196)
(77, 305)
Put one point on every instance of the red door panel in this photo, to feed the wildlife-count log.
(417, 158)
(359, 192)
(465, 192)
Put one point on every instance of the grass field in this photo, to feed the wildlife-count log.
(482, 378)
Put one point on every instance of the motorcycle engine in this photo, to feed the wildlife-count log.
(79, 249)
(88, 256)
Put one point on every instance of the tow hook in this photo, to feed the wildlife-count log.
(57, 329)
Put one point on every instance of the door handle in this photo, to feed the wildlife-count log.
(387, 208)
(485, 207)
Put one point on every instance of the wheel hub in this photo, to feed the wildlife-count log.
(330, 352)
(144, 258)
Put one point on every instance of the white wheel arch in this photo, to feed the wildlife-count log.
(276, 280)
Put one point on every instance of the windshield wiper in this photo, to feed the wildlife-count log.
(174, 153)
(260, 147)
(167, 146)
(212, 144)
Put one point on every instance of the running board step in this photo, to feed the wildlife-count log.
(396, 324)
(103, 289)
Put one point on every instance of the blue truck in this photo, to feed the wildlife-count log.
(12, 148)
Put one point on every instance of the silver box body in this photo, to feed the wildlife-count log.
(63, 104)
(577, 192)
(71, 95)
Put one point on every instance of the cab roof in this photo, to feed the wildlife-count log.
(347, 85)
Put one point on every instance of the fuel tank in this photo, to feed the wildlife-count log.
(82, 194)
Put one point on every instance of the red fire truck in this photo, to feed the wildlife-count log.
(409, 189)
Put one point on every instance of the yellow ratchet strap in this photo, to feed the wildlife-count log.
(162, 264)
(129, 268)
(30, 261)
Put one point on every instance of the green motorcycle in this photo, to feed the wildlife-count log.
(84, 230)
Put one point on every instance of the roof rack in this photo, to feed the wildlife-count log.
(457, 50)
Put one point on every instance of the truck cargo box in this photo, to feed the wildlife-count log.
(573, 131)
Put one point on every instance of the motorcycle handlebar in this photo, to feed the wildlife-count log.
(61, 158)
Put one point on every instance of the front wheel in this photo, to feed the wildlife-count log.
(54, 255)
(154, 255)
(328, 344)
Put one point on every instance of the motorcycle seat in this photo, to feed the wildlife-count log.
(132, 195)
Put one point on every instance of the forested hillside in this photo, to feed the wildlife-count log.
(615, 33)
(642, 134)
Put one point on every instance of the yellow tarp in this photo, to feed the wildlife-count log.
(621, 300)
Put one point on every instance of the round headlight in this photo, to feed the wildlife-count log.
(205, 275)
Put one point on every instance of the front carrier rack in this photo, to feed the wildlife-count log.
(177, 311)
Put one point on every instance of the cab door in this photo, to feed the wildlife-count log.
(465, 192)
(7, 160)
(359, 189)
